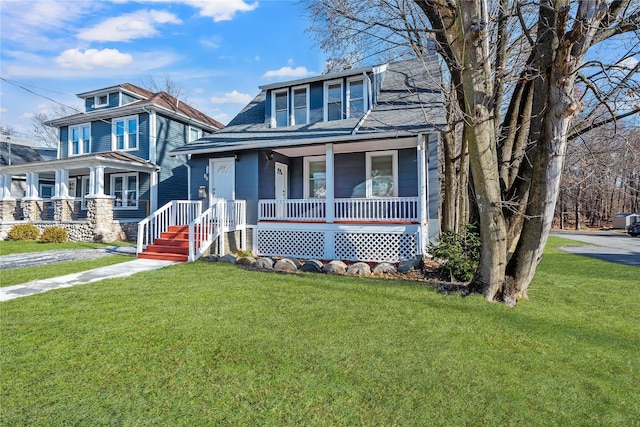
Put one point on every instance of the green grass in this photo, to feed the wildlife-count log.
(16, 276)
(9, 247)
(211, 344)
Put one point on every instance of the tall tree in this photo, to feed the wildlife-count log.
(514, 67)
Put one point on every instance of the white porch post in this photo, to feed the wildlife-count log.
(96, 181)
(32, 185)
(62, 184)
(5, 187)
(423, 205)
(329, 182)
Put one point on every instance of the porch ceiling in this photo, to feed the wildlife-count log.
(349, 147)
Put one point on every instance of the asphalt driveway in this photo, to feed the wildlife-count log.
(607, 246)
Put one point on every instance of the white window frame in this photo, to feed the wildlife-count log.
(307, 182)
(198, 130)
(114, 138)
(274, 119)
(307, 89)
(394, 166)
(113, 190)
(98, 104)
(364, 81)
(326, 98)
(81, 141)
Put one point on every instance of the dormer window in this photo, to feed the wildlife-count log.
(194, 134)
(333, 101)
(101, 101)
(280, 105)
(300, 105)
(357, 102)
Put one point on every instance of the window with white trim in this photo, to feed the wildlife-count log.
(85, 190)
(80, 139)
(382, 174)
(101, 101)
(315, 177)
(124, 189)
(357, 104)
(194, 134)
(125, 133)
(300, 105)
(280, 108)
(333, 101)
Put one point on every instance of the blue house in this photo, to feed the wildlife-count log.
(338, 166)
(112, 167)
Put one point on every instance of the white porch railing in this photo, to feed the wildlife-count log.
(175, 212)
(391, 209)
(222, 216)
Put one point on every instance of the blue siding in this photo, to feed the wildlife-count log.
(128, 99)
(198, 170)
(64, 142)
(100, 136)
(173, 176)
(407, 173)
(350, 175)
(433, 188)
(296, 183)
(247, 168)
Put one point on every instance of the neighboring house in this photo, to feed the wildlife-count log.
(343, 165)
(112, 166)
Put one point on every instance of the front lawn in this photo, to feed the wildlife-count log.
(9, 247)
(16, 276)
(212, 344)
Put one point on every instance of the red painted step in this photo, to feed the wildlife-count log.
(163, 256)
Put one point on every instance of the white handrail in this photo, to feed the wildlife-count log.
(175, 212)
(205, 228)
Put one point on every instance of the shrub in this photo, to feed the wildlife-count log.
(23, 232)
(458, 252)
(54, 235)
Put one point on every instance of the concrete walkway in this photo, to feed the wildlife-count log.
(123, 269)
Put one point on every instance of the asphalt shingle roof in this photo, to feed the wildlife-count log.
(410, 100)
(20, 154)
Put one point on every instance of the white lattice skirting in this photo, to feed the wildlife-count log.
(360, 244)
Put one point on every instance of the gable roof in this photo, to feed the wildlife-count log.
(160, 101)
(20, 154)
(409, 101)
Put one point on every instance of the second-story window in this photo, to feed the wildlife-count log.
(281, 108)
(300, 106)
(194, 134)
(79, 139)
(355, 94)
(125, 133)
(333, 101)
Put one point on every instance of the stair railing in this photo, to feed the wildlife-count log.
(175, 212)
(206, 228)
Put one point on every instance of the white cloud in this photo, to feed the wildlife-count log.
(222, 10)
(212, 42)
(27, 115)
(288, 72)
(3, 110)
(234, 97)
(93, 58)
(130, 26)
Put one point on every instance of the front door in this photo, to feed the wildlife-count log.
(282, 173)
(222, 179)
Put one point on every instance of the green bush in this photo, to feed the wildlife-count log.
(458, 252)
(23, 232)
(54, 235)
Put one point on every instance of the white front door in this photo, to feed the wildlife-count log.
(222, 179)
(282, 175)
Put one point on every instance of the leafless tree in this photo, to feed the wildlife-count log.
(520, 74)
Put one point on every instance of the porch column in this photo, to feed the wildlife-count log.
(7, 203)
(29, 203)
(329, 195)
(5, 187)
(423, 204)
(61, 208)
(96, 181)
(153, 191)
(32, 185)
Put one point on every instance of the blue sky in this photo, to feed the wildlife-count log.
(219, 51)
